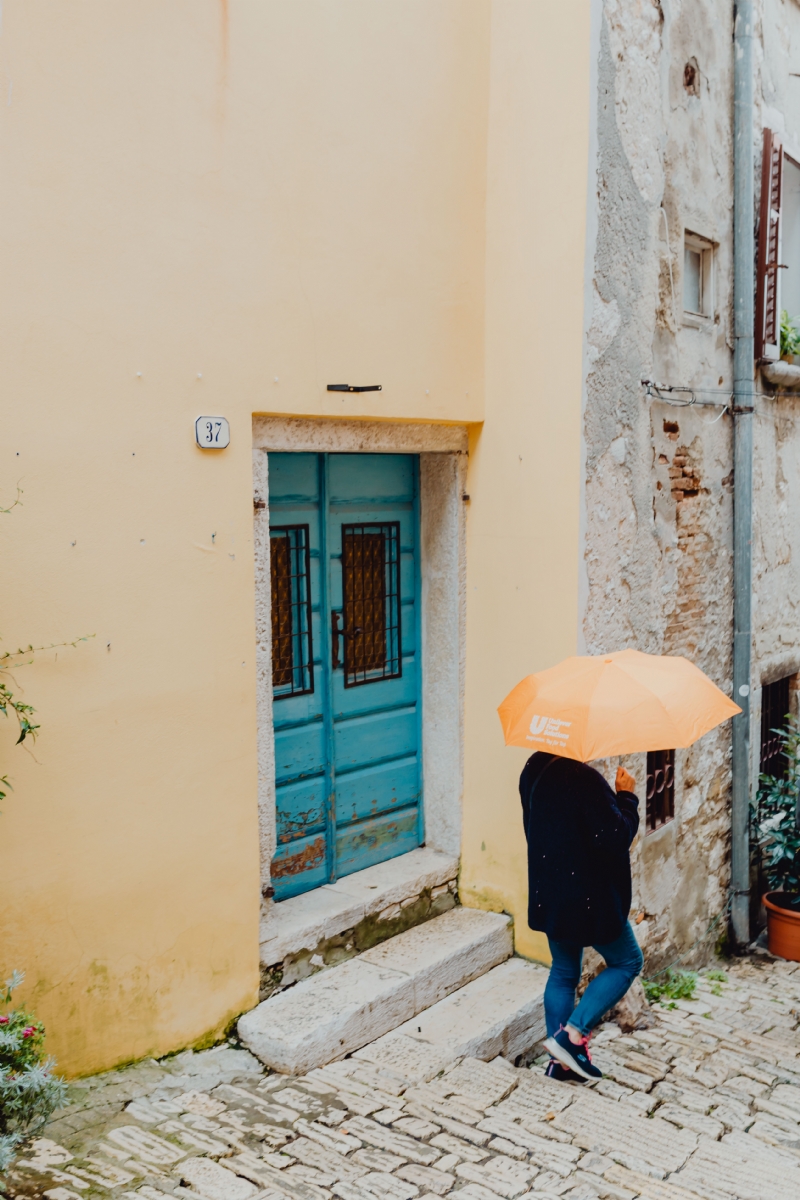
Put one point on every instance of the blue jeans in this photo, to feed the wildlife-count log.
(624, 961)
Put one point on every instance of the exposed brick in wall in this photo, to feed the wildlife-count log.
(696, 544)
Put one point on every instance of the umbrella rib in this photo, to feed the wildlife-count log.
(669, 717)
(660, 704)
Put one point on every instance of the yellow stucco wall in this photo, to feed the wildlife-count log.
(314, 190)
(524, 474)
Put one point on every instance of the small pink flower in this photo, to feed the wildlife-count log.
(3, 1020)
(29, 1031)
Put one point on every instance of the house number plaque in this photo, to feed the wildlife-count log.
(212, 433)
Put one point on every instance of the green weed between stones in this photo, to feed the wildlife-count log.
(717, 978)
(672, 985)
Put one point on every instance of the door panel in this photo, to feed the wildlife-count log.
(299, 752)
(367, 479)
(379, 737)
(302, 759)
(386, 787)
(300, 865)
(344, 588)
(393, 693)
(373, 841)
(303, 809)
(373, 499)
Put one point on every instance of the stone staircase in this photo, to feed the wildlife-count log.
(420, 999)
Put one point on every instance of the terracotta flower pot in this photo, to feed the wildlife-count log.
(783, 926)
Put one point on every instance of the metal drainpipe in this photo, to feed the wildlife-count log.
(743, 391)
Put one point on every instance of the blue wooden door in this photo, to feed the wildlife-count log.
(346, 685)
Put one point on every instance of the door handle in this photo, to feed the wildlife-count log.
(337, 633)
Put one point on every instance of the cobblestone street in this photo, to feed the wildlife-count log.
(704, 1103)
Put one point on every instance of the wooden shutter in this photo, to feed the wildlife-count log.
(768, 289)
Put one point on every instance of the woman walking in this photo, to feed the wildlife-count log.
(579, 835)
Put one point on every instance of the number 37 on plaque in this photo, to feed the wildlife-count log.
(212, 433)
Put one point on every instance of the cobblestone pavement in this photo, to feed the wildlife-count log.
(705, 1103)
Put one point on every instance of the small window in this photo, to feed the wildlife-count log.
(789, 275)
(775, 705)
(698, 279)
(660, 788)
(693, 280)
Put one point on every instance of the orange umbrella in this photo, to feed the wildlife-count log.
(602, 705)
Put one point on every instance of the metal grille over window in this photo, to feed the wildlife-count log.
(371, 602)
(660, 788)
(292, 652)
(774, 710)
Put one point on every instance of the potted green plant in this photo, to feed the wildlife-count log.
(776, 820)
(790, 337)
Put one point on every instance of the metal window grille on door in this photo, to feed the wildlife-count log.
(371, 602)
(292, 651)
(660, 788)
(774, 710)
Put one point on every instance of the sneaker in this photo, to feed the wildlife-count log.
(562, 1074)
(574, 1055)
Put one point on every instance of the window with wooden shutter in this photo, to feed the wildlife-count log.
(768, 288)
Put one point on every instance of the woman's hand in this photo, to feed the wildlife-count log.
(624, 781)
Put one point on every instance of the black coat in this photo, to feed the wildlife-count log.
(579, 835)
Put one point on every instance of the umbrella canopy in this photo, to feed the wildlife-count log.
(607, 704)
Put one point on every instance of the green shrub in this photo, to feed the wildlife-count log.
(776, 819)
(29, 1091)
(790, 335)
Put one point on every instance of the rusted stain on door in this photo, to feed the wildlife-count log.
(293, 826)
(309, 858)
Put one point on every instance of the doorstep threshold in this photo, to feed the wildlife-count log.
(301, 923)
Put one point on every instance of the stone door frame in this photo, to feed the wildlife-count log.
(442, 451)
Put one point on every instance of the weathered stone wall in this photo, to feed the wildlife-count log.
(776, 561)
(658, 499)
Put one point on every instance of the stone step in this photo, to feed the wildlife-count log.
(339, 920)
(500, 1013)
(342, 1009)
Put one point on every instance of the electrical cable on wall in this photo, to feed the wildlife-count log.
(675, 393)
(681, 396)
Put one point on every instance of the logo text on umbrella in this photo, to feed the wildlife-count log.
(547, 729)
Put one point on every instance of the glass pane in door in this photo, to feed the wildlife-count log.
(371, 602)
(292, 648)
